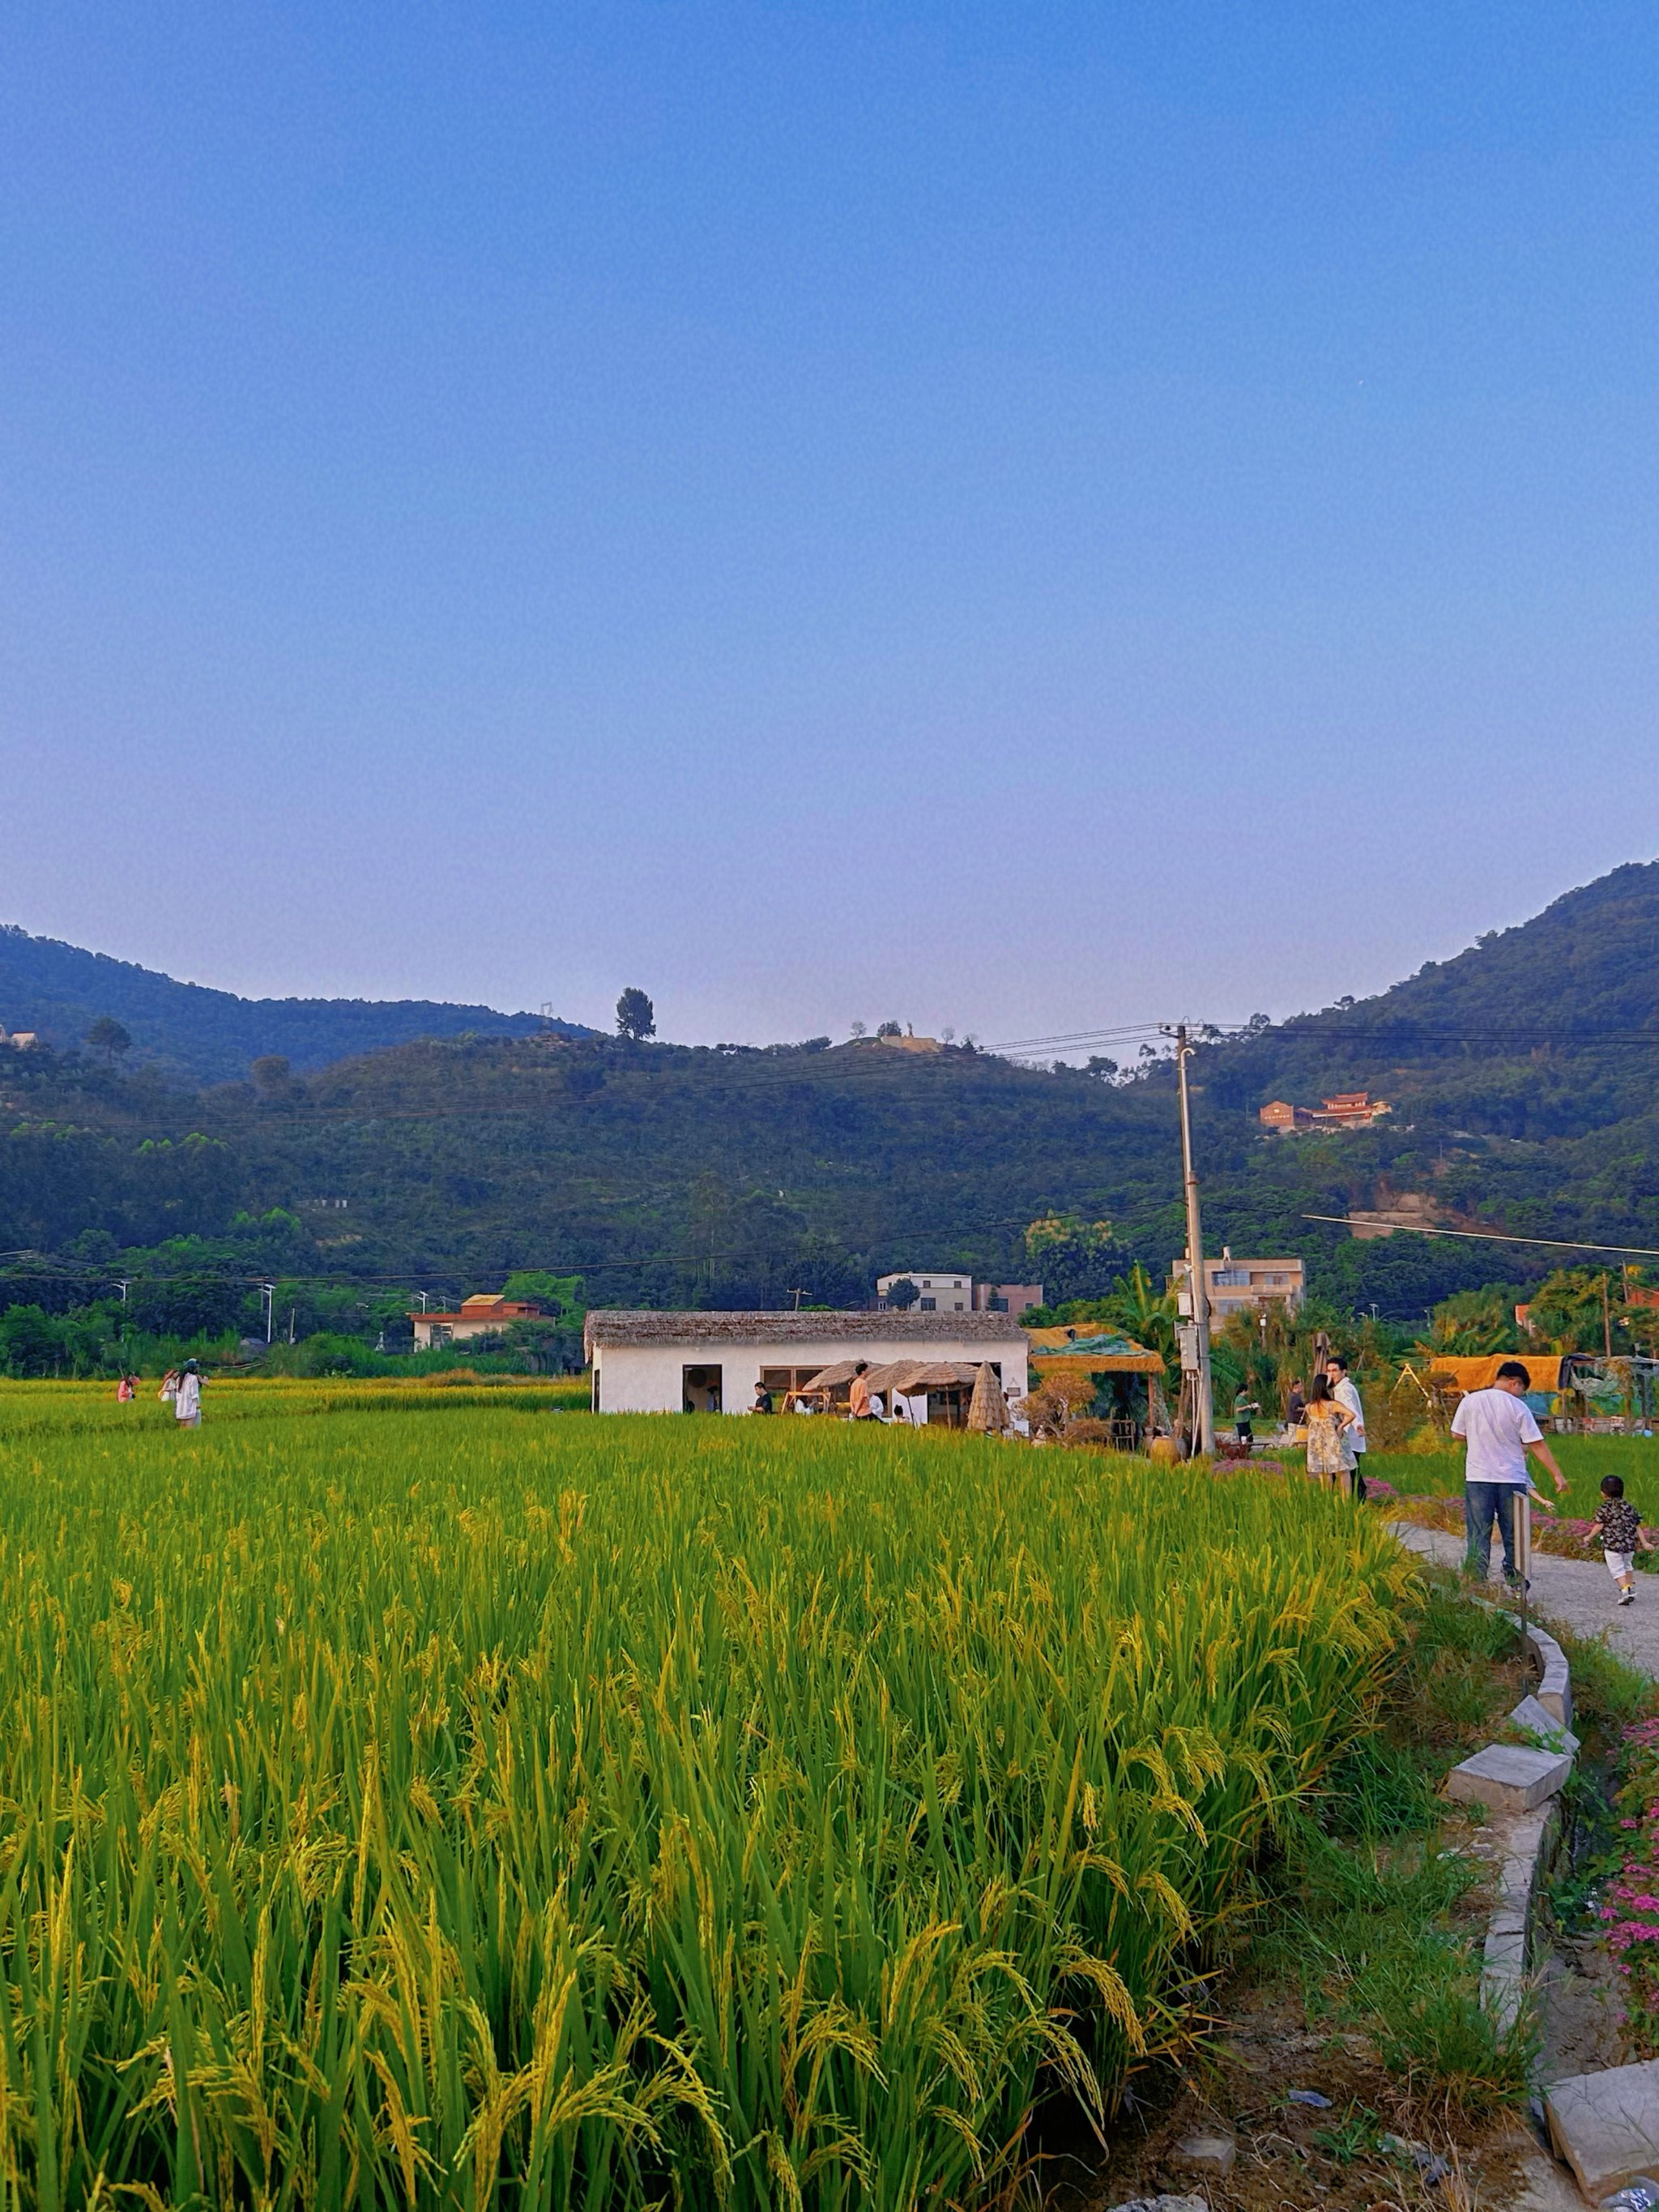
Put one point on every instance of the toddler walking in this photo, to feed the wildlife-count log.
(1618, 1527)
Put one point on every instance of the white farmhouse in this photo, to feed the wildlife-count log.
(712, 1362)
(940, 1289)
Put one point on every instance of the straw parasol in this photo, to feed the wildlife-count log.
(988, 1411)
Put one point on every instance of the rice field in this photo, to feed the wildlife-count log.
(487, 1810)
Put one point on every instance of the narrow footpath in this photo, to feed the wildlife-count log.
(1578, 1593)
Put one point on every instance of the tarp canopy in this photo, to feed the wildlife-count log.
(1088, 1348)
(1543, 1370)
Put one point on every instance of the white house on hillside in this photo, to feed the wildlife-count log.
(711, 1362)
(942, 1292)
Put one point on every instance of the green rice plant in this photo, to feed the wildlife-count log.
(500, 1812)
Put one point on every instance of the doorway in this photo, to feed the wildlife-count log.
(700, 1390)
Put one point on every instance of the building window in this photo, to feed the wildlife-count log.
(998, 1305)
(929, 1305)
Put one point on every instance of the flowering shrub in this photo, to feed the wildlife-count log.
(1629, 1909)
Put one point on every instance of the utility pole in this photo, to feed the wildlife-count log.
(798, 1296)
(1606, 1320)
(1197, 1290)
(267, 1293)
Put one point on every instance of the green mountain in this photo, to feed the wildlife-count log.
(209, 1037)
(1521, 1078)
(1546, 1029)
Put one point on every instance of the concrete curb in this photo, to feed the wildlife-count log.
(1527, 1841)
(1554, 1693)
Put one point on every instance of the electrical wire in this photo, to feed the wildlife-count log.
(1490, 1237)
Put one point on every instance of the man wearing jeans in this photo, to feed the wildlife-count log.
(1497, 1427)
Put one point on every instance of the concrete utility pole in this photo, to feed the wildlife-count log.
(267, 1293)
(1196, 1289)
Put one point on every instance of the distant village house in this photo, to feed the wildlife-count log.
(1240, 1285)
(940, 1291)
(1347, 1109)
(482, 1316)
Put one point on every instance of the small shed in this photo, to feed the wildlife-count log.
(1112, 1361)
(647, 1362)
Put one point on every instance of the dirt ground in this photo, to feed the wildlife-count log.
(1292, 2156)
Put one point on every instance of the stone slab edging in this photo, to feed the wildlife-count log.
(1525, 1843)
(1525, 1840)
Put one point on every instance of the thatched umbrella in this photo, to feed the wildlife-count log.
(988, 1411)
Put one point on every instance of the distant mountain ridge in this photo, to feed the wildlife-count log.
(212, 1036)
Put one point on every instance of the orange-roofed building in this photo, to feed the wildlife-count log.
(482, 1315)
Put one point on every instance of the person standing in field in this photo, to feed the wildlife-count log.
(187, 1396)
(124, 1389)
(1244, 1407)
(763, 1397)
(1326, 1422)
(1346, 1394)
(1618, 1527)
(858, 1397)
(1497, 1428)
(1295, 1405)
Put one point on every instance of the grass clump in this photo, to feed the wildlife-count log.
(1381, 1917)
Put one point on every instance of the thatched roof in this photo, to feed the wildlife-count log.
(1091, 1348)
(909, 1377)
(608, 1326)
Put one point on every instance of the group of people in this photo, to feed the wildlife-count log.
(182, 1388)
(1499, 1430)
(1334, 1416)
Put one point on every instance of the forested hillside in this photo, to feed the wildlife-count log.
(1547, 1030)
(210, 1037)
(1522, 1074)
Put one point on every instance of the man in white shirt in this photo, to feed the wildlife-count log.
(1498, 1429)
(1346, 1395)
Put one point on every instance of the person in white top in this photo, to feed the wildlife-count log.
(187, 1396)
(1497, 1429)
(1346, 1395)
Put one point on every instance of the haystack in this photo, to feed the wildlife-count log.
(988, 1412)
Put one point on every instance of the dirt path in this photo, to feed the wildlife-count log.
(1579, 1593)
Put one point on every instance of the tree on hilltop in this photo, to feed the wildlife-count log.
(107, 1036)
(636, 1017)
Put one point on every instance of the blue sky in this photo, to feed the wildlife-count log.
(1019, 518)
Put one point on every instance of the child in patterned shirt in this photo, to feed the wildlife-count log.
(1618, 1527)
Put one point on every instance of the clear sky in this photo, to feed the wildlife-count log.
(1018, 517)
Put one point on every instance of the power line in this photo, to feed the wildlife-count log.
(1490, 1237)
